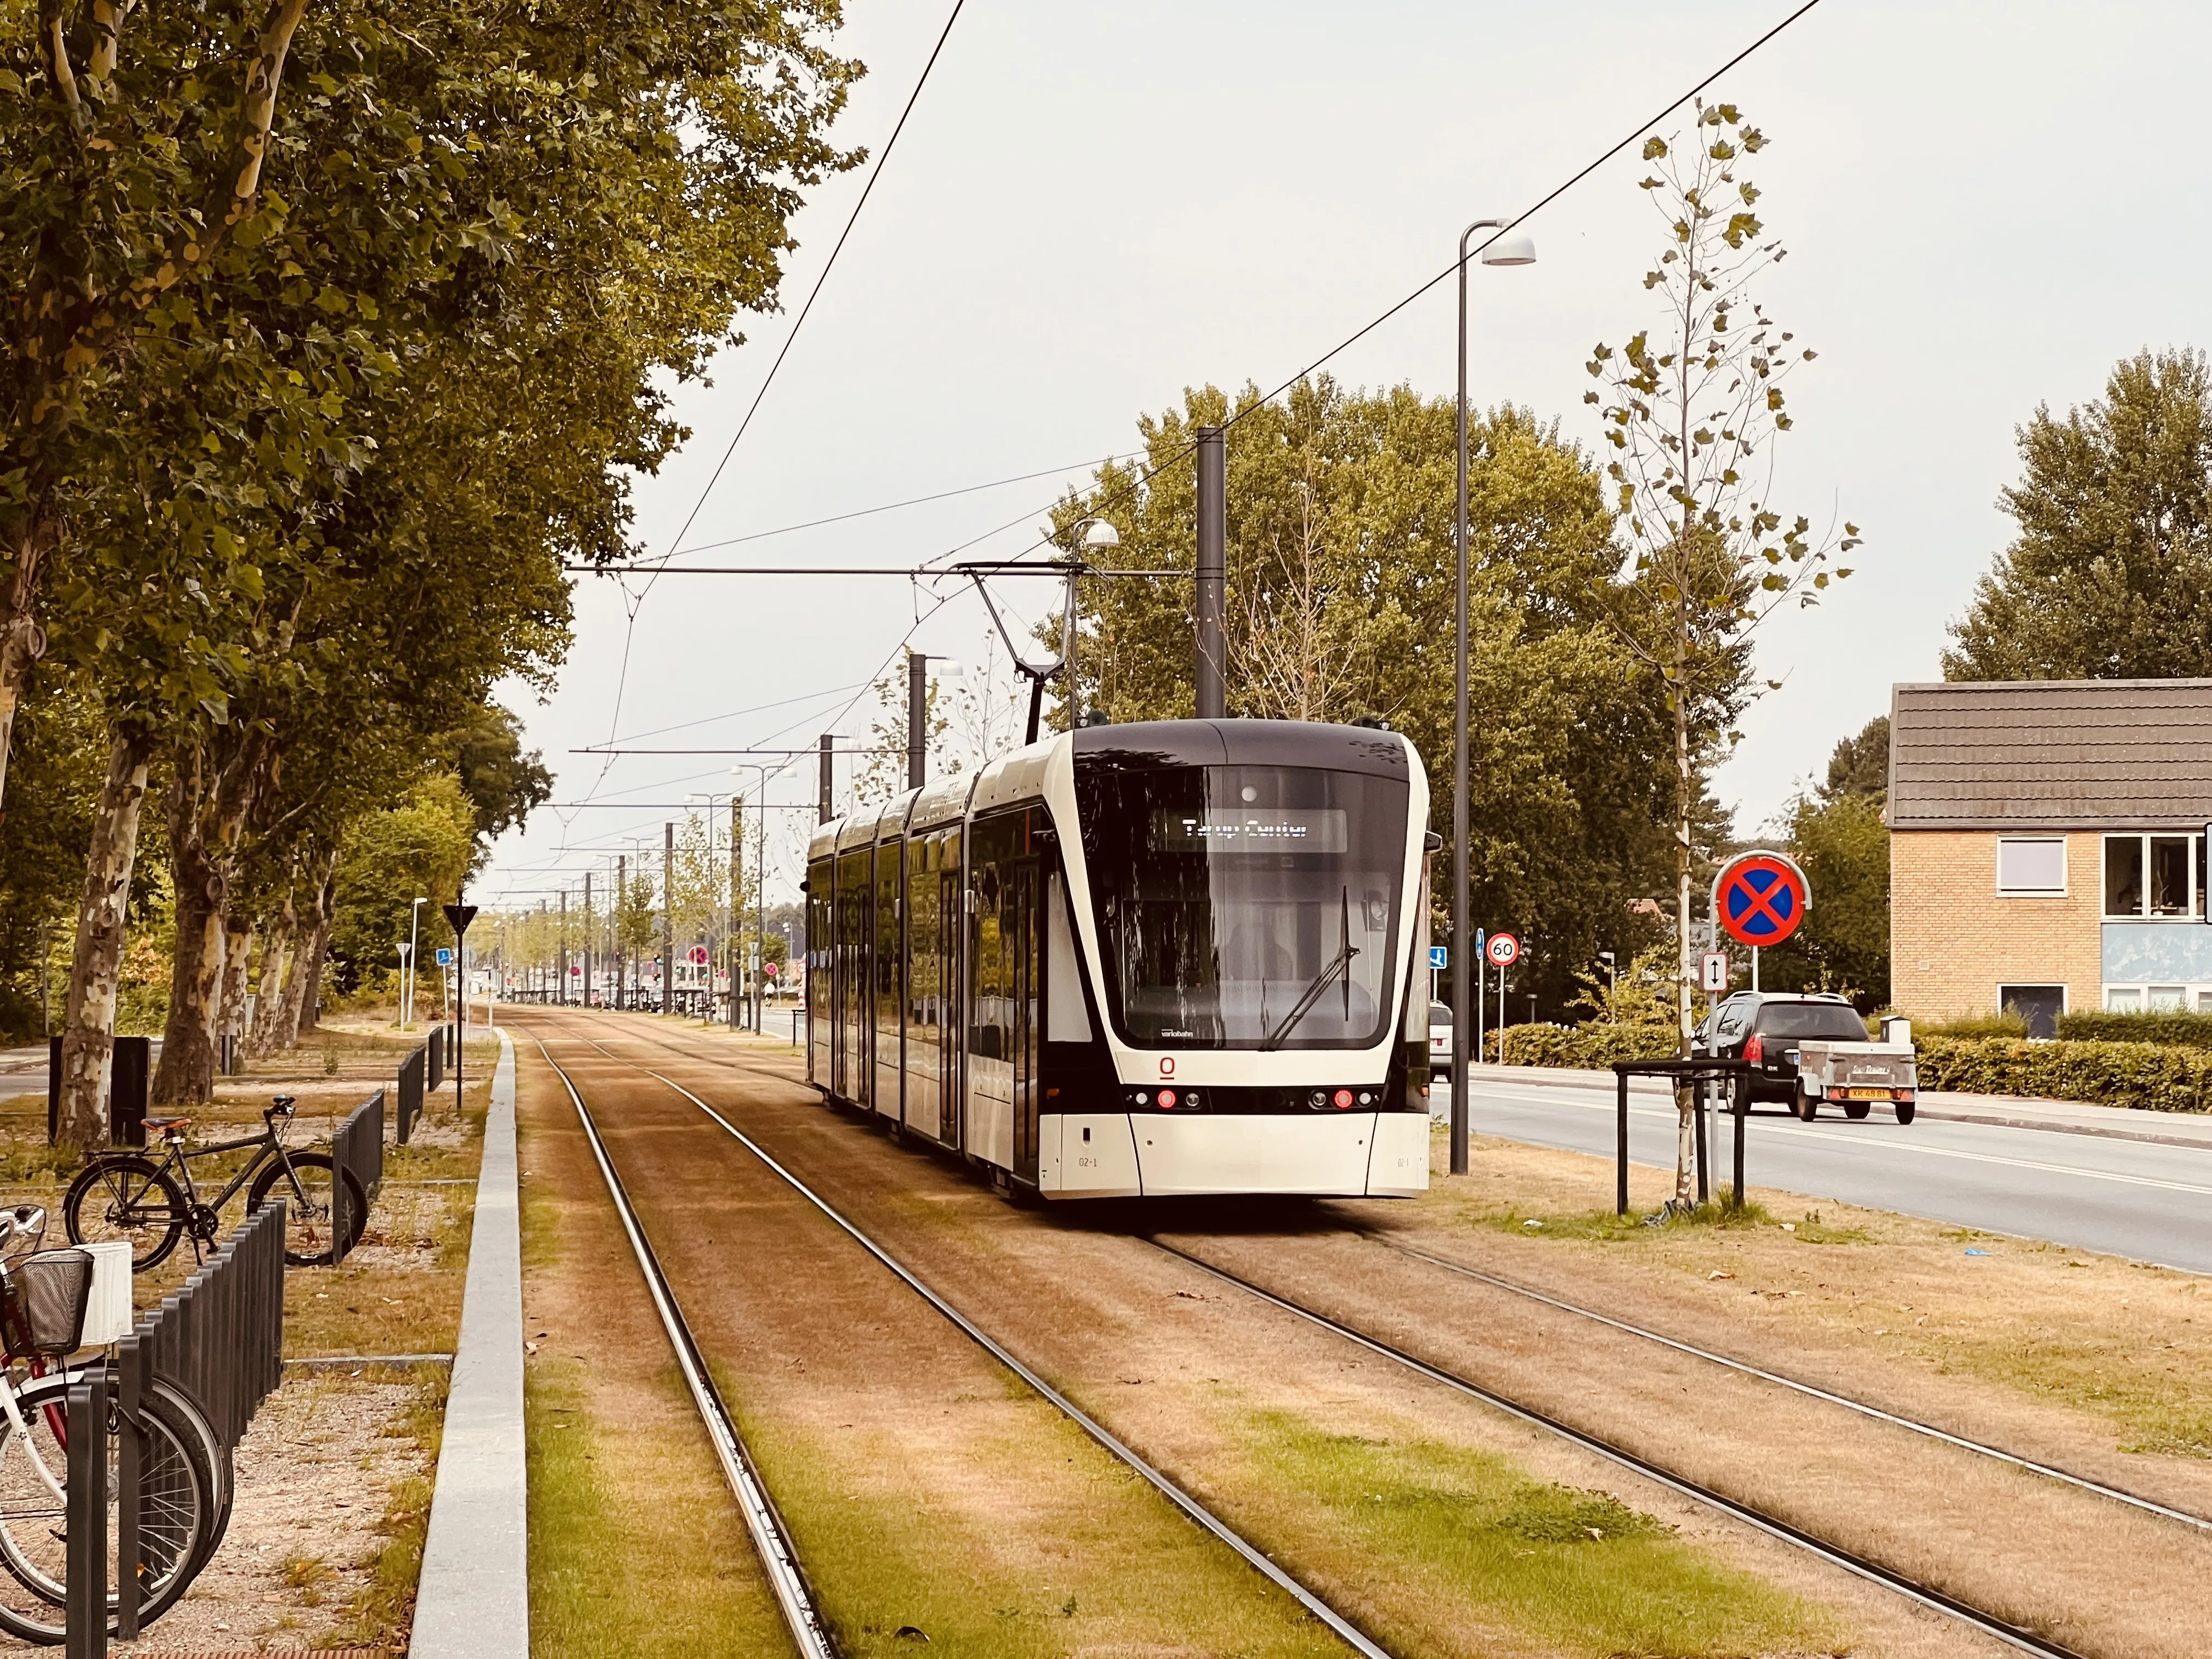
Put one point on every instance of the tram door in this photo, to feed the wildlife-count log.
(949, 1017)
(855, 920)
(1026, 981)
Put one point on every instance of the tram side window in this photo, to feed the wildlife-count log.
(888, 949)
(925, 987)
(818, 936)
(990, 1009)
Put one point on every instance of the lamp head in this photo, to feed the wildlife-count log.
(1097, 533)
(1516, 249)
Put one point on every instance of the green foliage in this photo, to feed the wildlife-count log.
(61, 758)
(2006, 1024)
(1341, 605)
(503, 782)
(2110, 577)
(1860, 764)
(1642, 993)
(2177, 1026)
(423, 848)
(1593, 1047)
(2147, 1075)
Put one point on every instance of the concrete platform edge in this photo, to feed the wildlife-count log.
(474, 1598)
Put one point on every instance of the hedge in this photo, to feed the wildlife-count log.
(2170, 1078)
(2174, 1026)
(1593, 1047)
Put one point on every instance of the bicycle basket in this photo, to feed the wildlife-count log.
(51, 1291)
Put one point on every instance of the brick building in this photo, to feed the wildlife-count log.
(2047, 847)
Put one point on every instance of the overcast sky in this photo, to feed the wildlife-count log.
(1094, 207)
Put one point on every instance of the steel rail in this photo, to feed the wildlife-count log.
(771, 1538)
(1249, 1554)
(2117, 1495)
(1861, 1566)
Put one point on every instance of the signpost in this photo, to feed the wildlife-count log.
(1503, 950)
(1759, 899)
(1439, 959)
(460, 915)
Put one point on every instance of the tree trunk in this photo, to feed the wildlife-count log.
(88, 1027)
(1685, 1097)
(308, 984)
(276, 965)
(228, 1017)
(22, 641)
(186, 1075)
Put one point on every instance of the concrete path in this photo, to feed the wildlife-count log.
(2099, 1178)
(474, 1602)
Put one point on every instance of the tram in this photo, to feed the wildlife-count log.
(1164, 957)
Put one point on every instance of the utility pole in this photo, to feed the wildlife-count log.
(621, 904)
(667, 917)
(828, 739)
(560, 978)
(1213, 573)
(760, 934)
(737, 901)
(588, 940)
(917, 718)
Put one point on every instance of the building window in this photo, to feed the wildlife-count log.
(2026, 866)
(2039, 1005)
(2124, 998)
(2153, 875)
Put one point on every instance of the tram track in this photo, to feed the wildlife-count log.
(1860, 1565)
(772, 1538)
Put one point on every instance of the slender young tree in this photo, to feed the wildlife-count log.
(1692, 411)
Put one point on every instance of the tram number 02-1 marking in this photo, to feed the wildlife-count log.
(1167, 1065)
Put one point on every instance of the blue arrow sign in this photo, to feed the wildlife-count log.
(445, 956)
(1439, 957)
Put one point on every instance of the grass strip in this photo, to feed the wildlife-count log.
(1567, 1571)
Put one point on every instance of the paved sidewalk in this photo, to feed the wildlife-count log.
(474, 1602)
(2009, 1111)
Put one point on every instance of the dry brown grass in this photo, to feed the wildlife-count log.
(1874, 1292)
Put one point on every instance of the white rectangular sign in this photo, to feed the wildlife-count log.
(1715, 975)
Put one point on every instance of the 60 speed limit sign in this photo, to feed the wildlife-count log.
(1502, 950)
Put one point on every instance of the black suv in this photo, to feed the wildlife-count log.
(1765, 1028)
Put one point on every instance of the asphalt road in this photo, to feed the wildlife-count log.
(2149, 1203)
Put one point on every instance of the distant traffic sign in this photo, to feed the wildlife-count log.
(445, 956)
(1716, 975)
(1439, 957)
(1760, 898)
(698, 956)
(1502, 950)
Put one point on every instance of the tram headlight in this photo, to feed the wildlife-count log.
(1318, 1097)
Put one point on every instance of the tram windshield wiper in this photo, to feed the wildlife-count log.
(1340, 963)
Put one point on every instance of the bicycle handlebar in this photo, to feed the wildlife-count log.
(24, 1221)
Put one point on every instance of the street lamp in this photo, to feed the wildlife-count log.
(1612, 974)
(1514, 250)
(414, 938)
(1089, 536)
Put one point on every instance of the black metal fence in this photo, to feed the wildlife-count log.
(436, 1048)
(220, 1339)
(357, 1147)
(411, 1075)
(1701, 1075)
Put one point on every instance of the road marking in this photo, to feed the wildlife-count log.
(1924, 1150)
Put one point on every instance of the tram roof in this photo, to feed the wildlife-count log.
(1144, 745)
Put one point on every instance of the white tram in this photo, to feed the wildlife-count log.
(1169, 957)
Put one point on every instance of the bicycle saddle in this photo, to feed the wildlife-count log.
(168, 1122)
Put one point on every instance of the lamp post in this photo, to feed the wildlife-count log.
(1498, 250)
(1087, 535)
(1612, 974)
(414, 938)
(713, 796)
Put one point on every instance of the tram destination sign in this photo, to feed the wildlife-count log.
(1281, 829)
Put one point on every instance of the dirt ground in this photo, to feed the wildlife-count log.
(1213, 1384)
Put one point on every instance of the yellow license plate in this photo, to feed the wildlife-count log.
(1866, 1094)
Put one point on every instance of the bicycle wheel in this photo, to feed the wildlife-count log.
(310, 1227)
(127, 1198)
(176, 1486)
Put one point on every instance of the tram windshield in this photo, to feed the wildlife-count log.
(1246, 907)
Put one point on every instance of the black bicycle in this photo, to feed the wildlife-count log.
(129, 1195)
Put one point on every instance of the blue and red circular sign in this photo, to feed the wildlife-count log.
(1759, 898)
